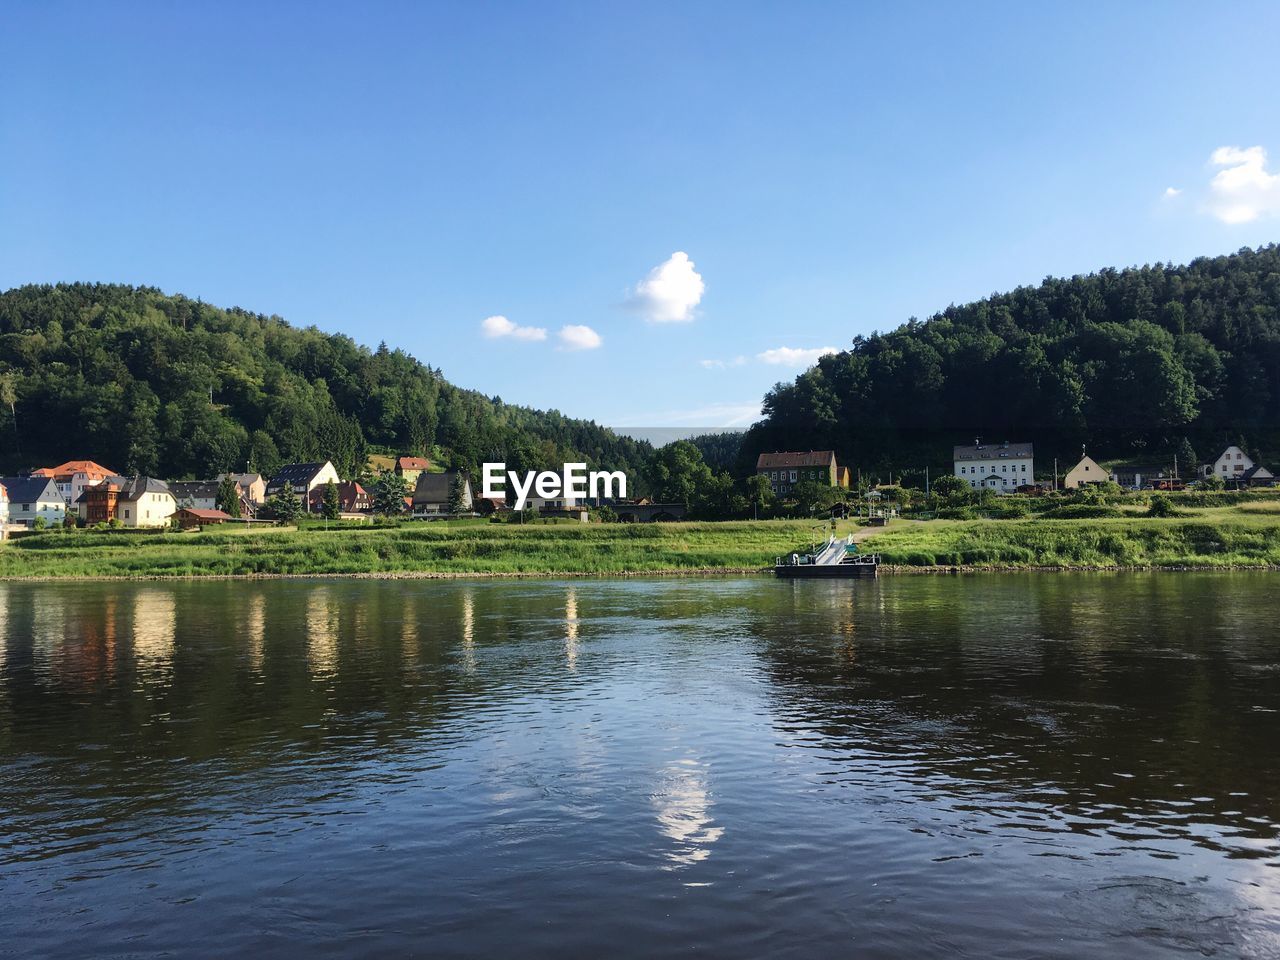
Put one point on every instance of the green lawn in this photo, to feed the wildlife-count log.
(1244, 536)
(462, 547)
(1236, 535)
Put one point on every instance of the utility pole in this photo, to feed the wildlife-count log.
(1055, 474)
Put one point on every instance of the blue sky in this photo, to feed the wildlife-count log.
(404, 172)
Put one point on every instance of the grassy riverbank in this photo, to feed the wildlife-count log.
(1240, 535)
(1240, 538)
(414, 548)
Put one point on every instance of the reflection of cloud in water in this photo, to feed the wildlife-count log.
(255, 629)
(155, 620)
(322, 632)
(683, 808)
(571, 627)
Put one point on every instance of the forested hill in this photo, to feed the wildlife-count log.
(1136, 363)
(158, 384)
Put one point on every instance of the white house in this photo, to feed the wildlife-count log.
(144, 502)
(4, 510)
(1002, 467)
(197, 494)
(74, 476)
(32, 497)
(1084, 473)
(302, 478)
(1231, 464)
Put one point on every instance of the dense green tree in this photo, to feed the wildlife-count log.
(229, 497)
(677, 472)
(284, 506)
(1132, 362)
(388, 493)
(456, 502)
(144, 381)
(759, 495)
(331, 504)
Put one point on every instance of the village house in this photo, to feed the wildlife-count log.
(1002, 467)
(4, 511)
(192, 517)
(432, 491)
(352, 498)
(784, 470)
(253, 486)
(1139, 476)
(302, 478)
(1084, 473)
(97, 504)
(200, 494)
(73, 477)
(32, 497)
(145, 502)
(1256, 476)
(409, 469)
(1231, 463)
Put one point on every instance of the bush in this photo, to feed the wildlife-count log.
(1162, 507)
(1081, 511)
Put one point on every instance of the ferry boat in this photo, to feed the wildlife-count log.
(839, 558)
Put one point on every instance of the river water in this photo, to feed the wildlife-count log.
(1048, 765)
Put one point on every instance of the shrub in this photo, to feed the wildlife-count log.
(1161, 507)
(1081, 511)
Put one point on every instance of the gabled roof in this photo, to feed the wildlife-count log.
(1257, 472)
(811, 458)
(95, 471)
(31, 489)
(413, 463)
(1143, 468)
(205, 514)
(243, 479)
(993, 451)
(202, 489)
(135, 487)
(297, 473)
(434, 487)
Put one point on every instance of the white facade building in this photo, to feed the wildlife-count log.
(1231, 463)
(1002, 467)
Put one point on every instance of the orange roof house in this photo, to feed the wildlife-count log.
(409, 468)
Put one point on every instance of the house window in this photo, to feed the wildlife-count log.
(793, 476)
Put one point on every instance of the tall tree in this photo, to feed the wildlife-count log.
(229, 497)
(331, 505)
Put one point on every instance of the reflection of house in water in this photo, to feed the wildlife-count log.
(683, 808)
(322, 632)
(255, 629)
(408, 630)
(155, 621)
(571, 627)
(468, 630)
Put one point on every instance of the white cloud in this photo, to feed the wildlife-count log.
(721, 364)
(578, 337)
(1171, 192)
(670, 292)
(794, 356)
(497, 327)
(1243, 190)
